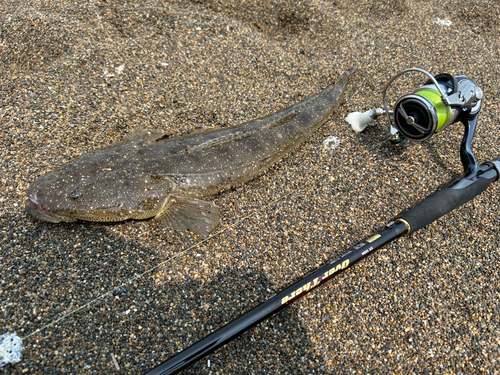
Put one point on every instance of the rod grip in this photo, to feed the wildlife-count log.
(441, 203)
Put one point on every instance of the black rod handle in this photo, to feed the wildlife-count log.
(441, 203)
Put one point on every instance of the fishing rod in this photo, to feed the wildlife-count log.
(443, 100)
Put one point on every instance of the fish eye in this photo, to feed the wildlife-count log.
(75, 194)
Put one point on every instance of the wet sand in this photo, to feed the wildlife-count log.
(75, 76)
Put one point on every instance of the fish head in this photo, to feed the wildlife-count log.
(97, 194)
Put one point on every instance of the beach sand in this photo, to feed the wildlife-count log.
(95, 298)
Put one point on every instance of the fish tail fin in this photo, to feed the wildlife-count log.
(348, 75)
(352, 70)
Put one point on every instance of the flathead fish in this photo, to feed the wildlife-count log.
(152, 174)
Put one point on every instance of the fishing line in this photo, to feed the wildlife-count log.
(192, 247)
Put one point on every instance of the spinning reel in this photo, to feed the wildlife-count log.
(442, 100)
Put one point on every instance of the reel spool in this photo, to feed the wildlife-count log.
(442, 100)
(419, 115)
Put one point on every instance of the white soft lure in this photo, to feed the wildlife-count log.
(331, 143)
(11, 347)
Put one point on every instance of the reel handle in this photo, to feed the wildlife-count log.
(358, 120)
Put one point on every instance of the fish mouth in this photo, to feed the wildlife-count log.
(36, 209)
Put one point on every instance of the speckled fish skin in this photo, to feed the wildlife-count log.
(151, 174)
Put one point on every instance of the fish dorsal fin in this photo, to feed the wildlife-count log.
(283, 120)
(189, 214)
(147, 135)
(139, 135)
(198, 132)
(220, 140)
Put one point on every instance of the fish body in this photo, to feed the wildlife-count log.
(152, 174)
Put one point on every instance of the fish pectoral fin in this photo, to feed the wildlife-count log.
(191, 214)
